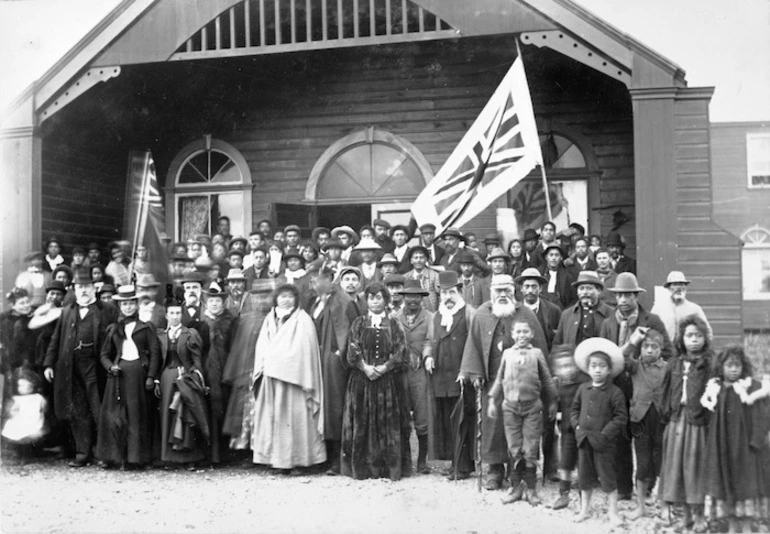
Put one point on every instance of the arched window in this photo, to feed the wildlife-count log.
(208, 179)
(756, 263)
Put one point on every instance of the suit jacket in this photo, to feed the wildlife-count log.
(251, 275)
(418, 342)
(429, 282)
(626, 264)
(366, 282)
(532, 259)
(405, 265)
(447, 351)
(435, 253)
(569, 323)
(548, 315)
(567, 295)
(197, 323)
(143, 336)
(188, 348)
(611, 330)
(472, 293)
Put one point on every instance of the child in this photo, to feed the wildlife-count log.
(523, 378)
(682, 478)
(567, 377)
(598, 416)
(737, 448)
(26, 423)
(646, 369)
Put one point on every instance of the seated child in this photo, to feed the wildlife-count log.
(598, 416)
(523, 378)
(647, 370)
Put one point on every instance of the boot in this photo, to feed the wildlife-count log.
(517, 489)
(422, 455)
(530, 478)
(333, 455)
(563, 500)
(495, 476)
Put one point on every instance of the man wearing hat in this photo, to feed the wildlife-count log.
(449, 333)
(547, 238)
(368, 249)
(415, 320)
(333, 252)
(428, 278)
(236, 289)
(149, 310)
(395, 283)
(350, 282)
(498, 263)
(320, 236)
(72, 363)
(472, 285)
(491, 242)
(581, 321)
(489, 336)
(235, 258)
(400, 235)
(381, 231)
(388, 265)
(627, 326)
(428, 240)
(94, 255)
(531, 240)
(672, 311)
(347, 238)
(558, 286)
(293, 234)
(616, 246)
(33, 279)
(333, 311)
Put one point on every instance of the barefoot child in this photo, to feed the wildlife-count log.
(682, 478)
(598, 416)
(737, 445)
(646, 369)
(523, 379)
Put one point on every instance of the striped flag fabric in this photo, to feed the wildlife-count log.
(498, 151)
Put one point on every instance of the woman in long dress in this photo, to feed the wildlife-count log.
(375, 425)
(288, 415)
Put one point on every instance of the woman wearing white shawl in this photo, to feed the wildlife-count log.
(288, 415)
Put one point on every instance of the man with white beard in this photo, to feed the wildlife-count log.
(72, 363)
(673, 311)
(489, 336)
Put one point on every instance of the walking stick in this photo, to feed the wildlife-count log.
(478, 435)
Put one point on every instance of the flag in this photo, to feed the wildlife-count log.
(144, 223)
(498, 151)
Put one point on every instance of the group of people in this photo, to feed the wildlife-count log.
(331, 352)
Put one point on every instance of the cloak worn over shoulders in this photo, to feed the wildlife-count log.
(289, 353)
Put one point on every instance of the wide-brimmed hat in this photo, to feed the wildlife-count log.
(294, 254)
(55, 285)
(389, 258)
(491, 238)
(381, 222)
(530, 273)
(530, 234)
(497, 252)
(452, 232)
(553, 246)
(350, 269)
(614, 239)
(501, 280)
(394, 279)
(146, 280)
(626, 283)
(193, 277)
(448, 279)
(465, 256)
(82, 277)
(239, 239)
(332, 243)
(126, 292)
(417, 248)
(413, 287)
(588, 277)
(319, 230)
(235, 275)
(45, 314)
(367, 244)
(593, 345)
(676, 277)
(345, 229)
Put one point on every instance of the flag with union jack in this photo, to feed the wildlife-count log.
(499, 150)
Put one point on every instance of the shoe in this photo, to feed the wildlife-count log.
(532, 497)
(78, 463)
(333, 471)
(562, 502)
(493, 484)
(515, 493)
(423, 469)
(460, 476)
(624, 496)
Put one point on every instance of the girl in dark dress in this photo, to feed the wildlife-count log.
(375, 427)
(737, 449)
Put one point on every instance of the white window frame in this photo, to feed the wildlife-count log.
(754, 159)
(754, 239)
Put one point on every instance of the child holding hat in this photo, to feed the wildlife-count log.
(598, 416)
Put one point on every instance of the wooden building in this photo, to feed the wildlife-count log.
(740, 156)
(334, 111)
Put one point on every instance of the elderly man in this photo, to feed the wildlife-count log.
(149, 309)
(416, 320)
(192, 308)
(449, 332)
(672, 311)
(578, 322)
(628, 325)
(489, 336)
(72, 363)
(428, 278)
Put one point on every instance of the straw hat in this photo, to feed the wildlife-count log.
(127, 292)
(599, 344)
(676, 277)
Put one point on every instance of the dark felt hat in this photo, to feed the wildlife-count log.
(397, 227)
(381, 222)
(452, 232)
(55, 285)
(295, 254)
(319, 230)
(626, 283)
(192, 277)
(82, 277)
(394, 279)
(530, 273)
(428, 227)
(530, 234)
(413, 287)
(614, 239)
(239, 239)
(492, 238)
(465, 256)
(588, 277)
(214, 290)
(448, 279)
(234, 252)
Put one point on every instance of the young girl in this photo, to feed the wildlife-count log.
(682, 478)
(26, 424)
(737, 448)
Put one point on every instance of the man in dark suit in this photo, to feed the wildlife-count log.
(72, 363)
(621, 263)
(258, 269)
(427, 238)
(449, 331)
(192, 307)
(471, 284)
(452, 239)
(531, 257)
(558, 286)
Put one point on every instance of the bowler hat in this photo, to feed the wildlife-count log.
(146, 280)
(676, 277)
(55, 285)
(381, 222)
(192, 277)
(497, 252)
(389, 258)
(235, 275)
(126, 292)
(465, 256)
(367, 244)
(239, 239)
(345, 229)
(614, 239)
(448, 279)
(82, 277)
(626, 283)
(501, 280)
(530, 234)
(94, 246)
(452, 232)
(593, 345)
(530, 273)
(588, 277)
(106, 288)
(413, 287)
(553, 246)
(394, 279)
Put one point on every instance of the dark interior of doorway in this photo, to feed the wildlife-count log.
(353, 215)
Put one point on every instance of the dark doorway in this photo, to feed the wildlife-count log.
(353, 215)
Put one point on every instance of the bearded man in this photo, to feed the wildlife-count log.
(490, 335)
(673, 311)
(236, 288)
(73, 360)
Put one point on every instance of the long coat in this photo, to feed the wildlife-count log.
(548, 314)
(143, 336)
(60, 351)
(447, 352)
(333, 328)
(564, 279)
(188, 348)
(569, 323)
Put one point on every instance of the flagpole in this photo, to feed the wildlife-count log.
(542, 164)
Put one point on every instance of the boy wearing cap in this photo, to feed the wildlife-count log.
(598, 416)
(523, 377)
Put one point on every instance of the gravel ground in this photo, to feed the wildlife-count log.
(48, 496)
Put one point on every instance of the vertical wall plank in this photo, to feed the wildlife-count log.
(421, 19)
(404, 21)
(293, 19)
(340, 30)
(308, 21)
(204, 39)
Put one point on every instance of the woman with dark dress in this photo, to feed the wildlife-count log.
(518, 259)
(375, 427)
